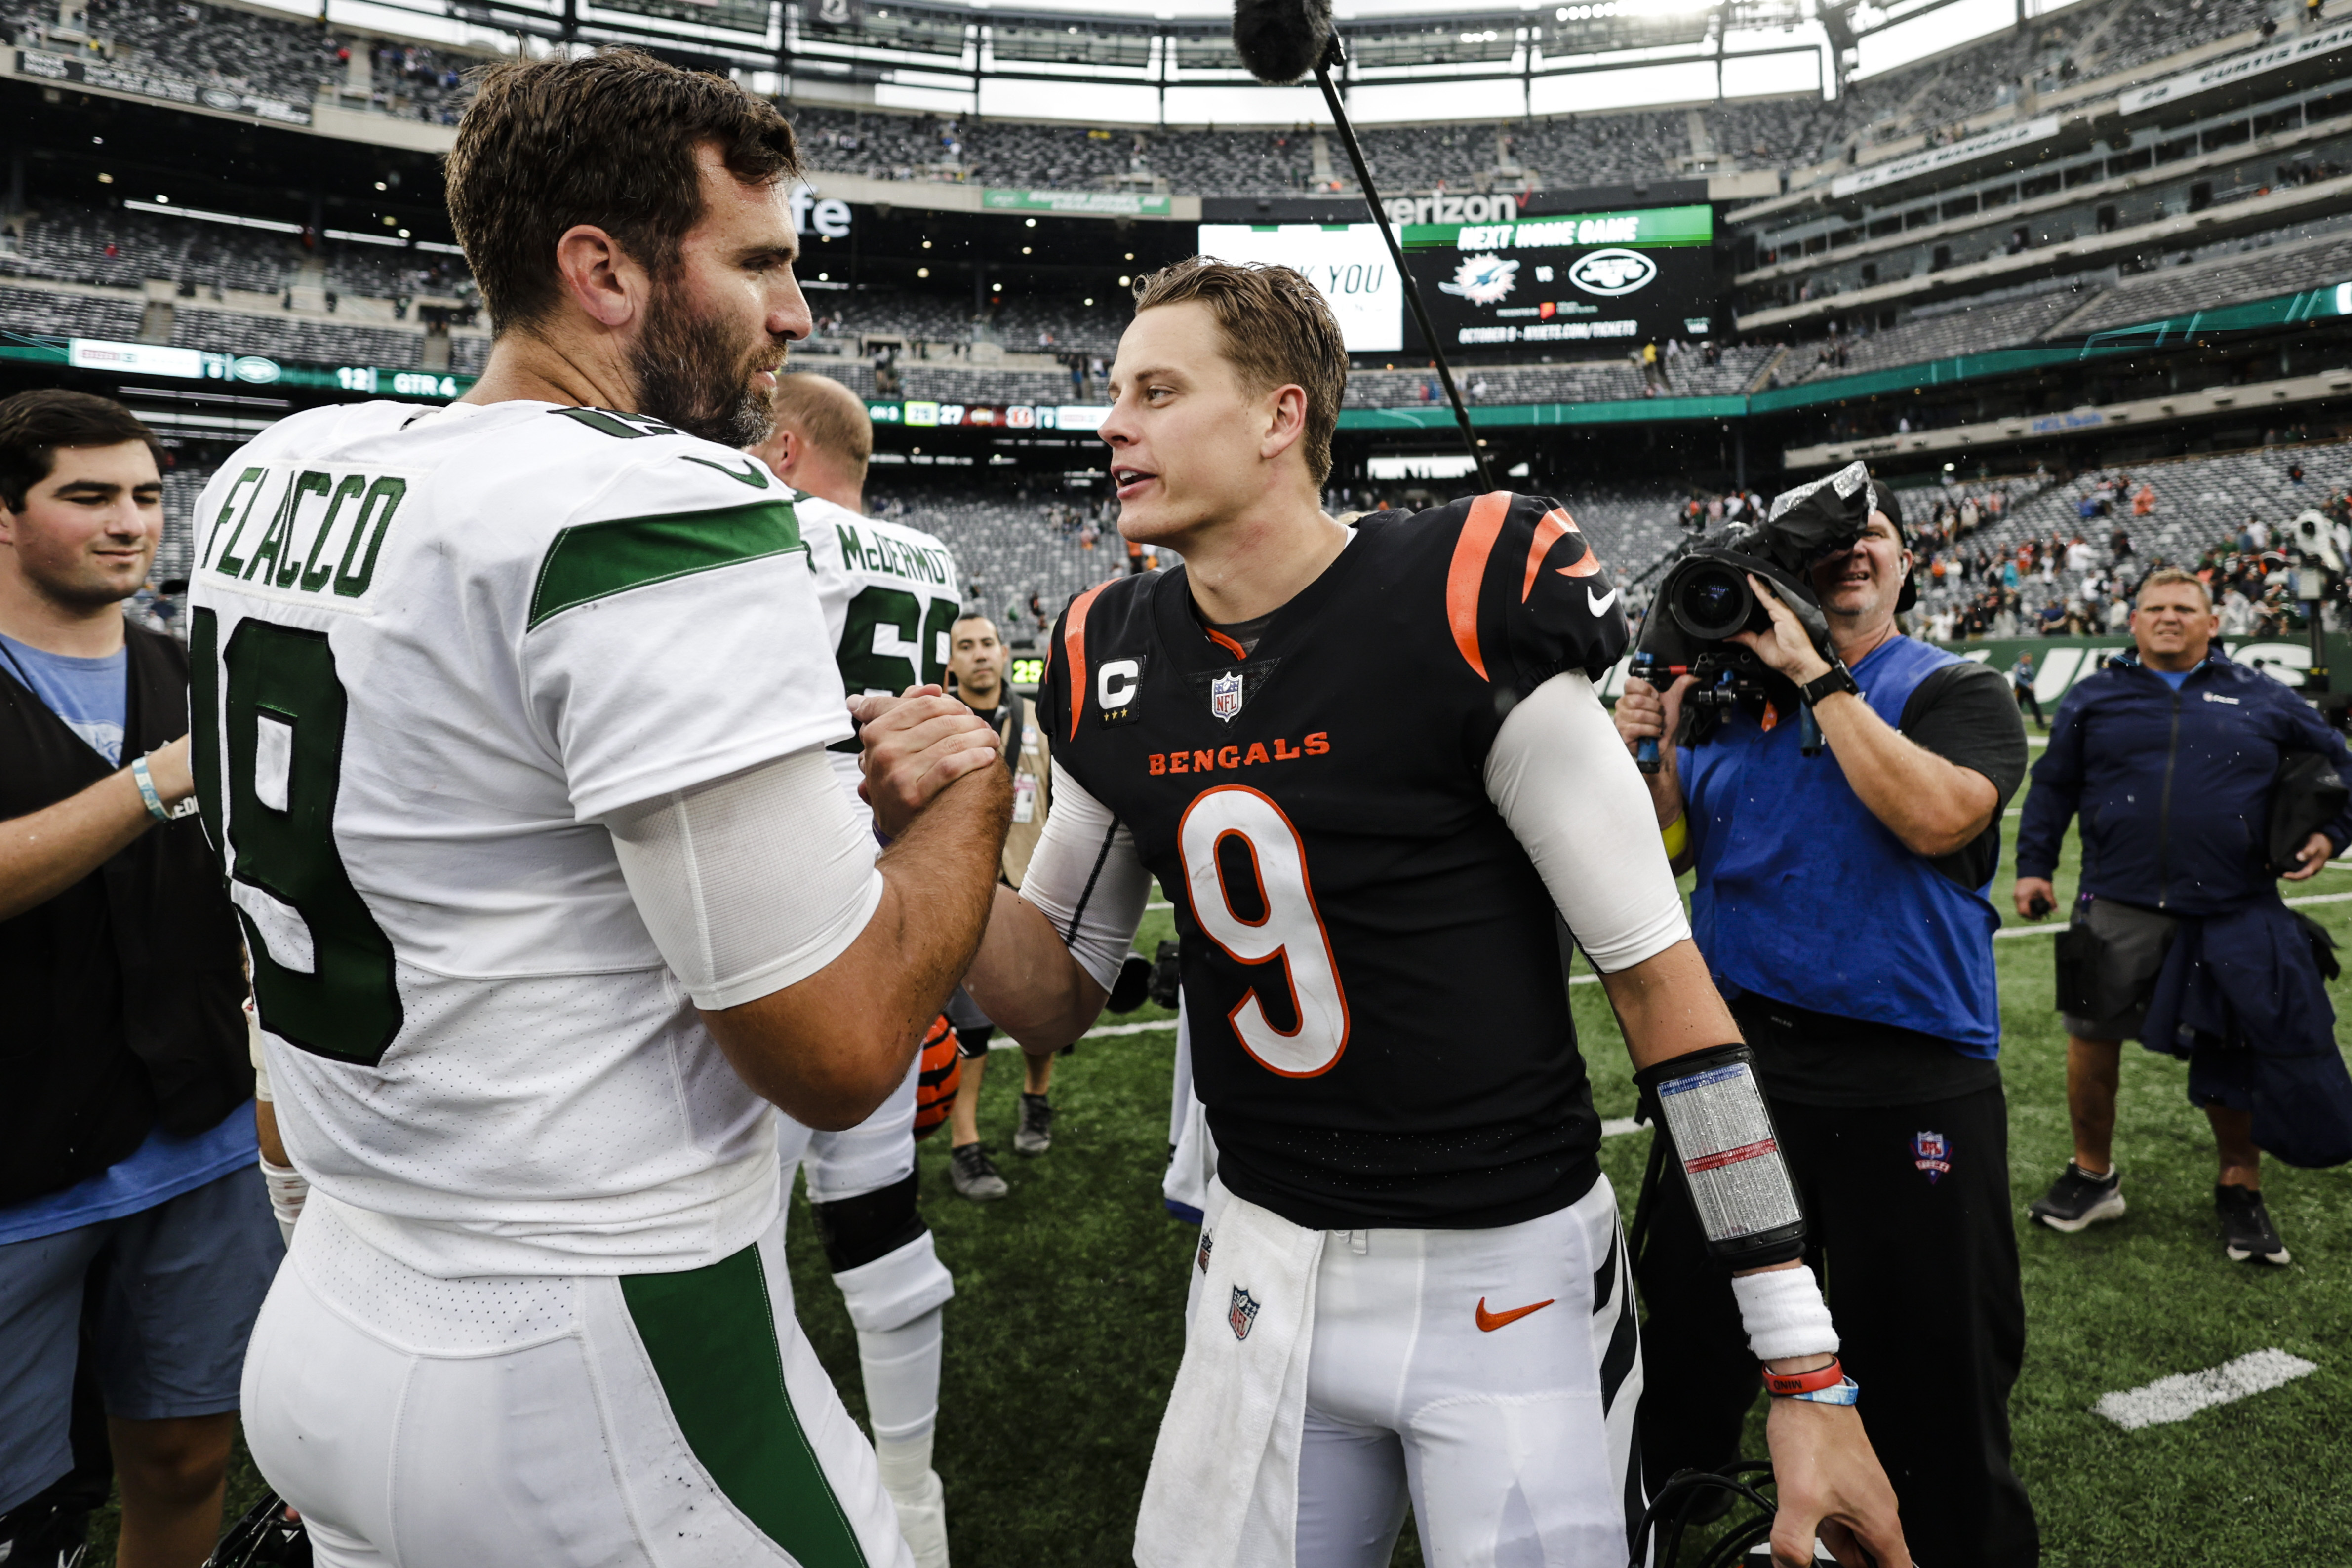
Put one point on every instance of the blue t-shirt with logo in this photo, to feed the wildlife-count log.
(92, 696)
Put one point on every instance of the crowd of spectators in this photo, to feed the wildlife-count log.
(2072, 564)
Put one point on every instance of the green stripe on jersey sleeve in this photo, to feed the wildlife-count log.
(596, 560)
(710, 1333)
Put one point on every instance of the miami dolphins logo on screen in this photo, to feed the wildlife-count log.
(1612, 272)
(1484, 279)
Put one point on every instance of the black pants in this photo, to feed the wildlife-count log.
(2026, 699)
(1923, 1282)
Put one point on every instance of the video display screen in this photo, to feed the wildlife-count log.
(1347, 262)
(1591, 281)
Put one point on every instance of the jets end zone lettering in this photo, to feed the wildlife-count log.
(302, 533)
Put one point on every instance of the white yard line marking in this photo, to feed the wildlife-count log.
(1110, 1030)
(1150, 907)
(2052, 927)
(2177, 1398)
(1617, 1126)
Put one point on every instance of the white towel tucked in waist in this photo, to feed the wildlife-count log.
(1228, 1445)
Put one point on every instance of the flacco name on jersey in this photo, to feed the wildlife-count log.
(1377, 999)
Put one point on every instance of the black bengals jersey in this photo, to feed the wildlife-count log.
(1379, 1014)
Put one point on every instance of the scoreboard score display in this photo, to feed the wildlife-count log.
(1582, 282)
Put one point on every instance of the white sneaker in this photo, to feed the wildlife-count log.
(923, 1521)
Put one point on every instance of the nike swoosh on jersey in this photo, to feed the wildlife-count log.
(754, 473)
(1489, 1322)
(1600, 602)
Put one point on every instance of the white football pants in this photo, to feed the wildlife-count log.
(671, 1420)
(1490, 1377)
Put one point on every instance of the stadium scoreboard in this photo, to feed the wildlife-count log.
(1523, 288)
(1597, 280)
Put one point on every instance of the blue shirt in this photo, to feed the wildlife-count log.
(2171, 677)
(157, 1171)
(91, 696)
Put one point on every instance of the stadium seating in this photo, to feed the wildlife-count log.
(54, 313)
(2199, 501)
(255, 51)
(1011, 542)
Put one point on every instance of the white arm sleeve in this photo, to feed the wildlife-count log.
(751, 882)
(1086, 877)
(1561, 777)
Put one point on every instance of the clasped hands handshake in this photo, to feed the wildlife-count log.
(914, 746)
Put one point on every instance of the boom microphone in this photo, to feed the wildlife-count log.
(1282, 40)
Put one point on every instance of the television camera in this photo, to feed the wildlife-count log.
(1706, 600)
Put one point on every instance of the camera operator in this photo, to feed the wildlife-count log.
(2171, 756)
(1841, 903)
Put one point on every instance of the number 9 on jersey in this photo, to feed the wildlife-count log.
(1291, 929)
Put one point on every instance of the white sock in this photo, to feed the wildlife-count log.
(902, 1379)
(905, 1463)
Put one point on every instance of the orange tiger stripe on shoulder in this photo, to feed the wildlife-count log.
(1555, 523)
(1476, 543)
(1074, 639)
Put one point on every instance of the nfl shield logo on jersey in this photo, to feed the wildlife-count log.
(1241, 1313)
(1932, 1153)
(1225, 695)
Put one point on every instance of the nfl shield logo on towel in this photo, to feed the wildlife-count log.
(1208, 1243)
(1225, 695)
(1932, 1153)
(1241, 1313)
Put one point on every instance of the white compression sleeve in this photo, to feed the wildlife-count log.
(1561, 777)
(751, 882)
(1087, 878)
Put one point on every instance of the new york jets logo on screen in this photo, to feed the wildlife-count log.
(1612, 272)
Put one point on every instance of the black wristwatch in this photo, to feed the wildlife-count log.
(1836, 678)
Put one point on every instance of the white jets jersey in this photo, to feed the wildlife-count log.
(890, 596)
(430, 650)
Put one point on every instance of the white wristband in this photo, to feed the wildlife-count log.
(287, 1192)
(1783, 1312)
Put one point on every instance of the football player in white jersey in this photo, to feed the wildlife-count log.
(511, 718)
(888, 595)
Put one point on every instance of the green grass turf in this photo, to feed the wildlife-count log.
(1065, 1331)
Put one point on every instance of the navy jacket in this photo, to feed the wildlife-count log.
(2173, 789)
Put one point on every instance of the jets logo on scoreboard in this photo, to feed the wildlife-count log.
(1613, 272)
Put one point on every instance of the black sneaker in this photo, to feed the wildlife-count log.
(2247, 1233)
(975, 1173)
(2077, 1198)
(1035, 1134)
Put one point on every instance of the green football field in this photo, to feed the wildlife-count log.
(1066, 1329)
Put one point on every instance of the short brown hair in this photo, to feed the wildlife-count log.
(1278, 331)
(33, 425)
(829, 416)
(608, 139)
(2165, 577)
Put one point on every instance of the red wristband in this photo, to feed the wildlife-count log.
(1782, 1384)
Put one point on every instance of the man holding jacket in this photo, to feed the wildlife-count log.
(2171, 756)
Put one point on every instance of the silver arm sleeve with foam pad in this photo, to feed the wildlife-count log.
(1086, 877)
(751, 882)
(1559, 773)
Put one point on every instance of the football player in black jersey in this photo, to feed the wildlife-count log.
(1369, 768)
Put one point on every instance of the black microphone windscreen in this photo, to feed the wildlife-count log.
(1281, 40)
